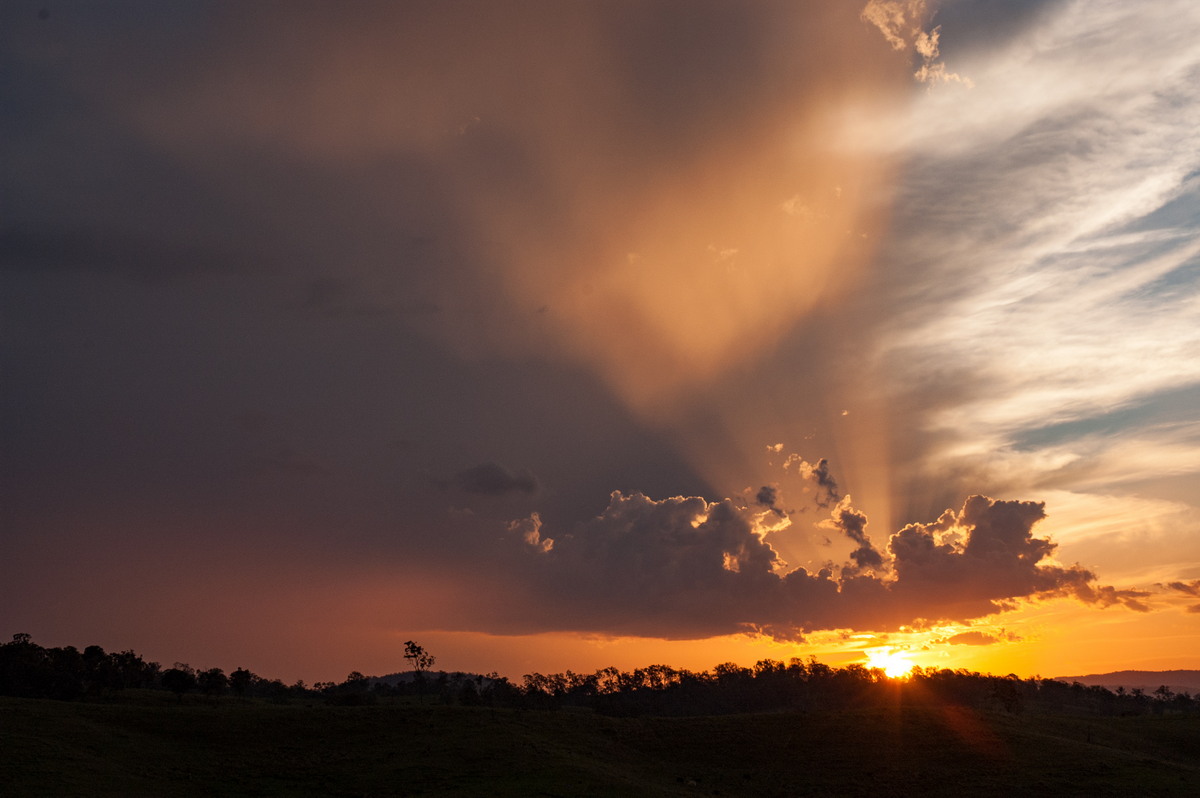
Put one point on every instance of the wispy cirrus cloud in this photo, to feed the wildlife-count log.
(1043, 271)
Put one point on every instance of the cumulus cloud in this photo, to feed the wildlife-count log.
(685, 567)
(494, 479)
(530, 531)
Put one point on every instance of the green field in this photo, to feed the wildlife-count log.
(145, 744)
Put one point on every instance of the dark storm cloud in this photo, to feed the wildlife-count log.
(136, 256)
(494, 479)
(393, 162)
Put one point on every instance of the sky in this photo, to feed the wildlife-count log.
(573, 334)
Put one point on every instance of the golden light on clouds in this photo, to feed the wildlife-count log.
(712, 273)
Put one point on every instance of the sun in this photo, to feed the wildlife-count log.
(891, 662)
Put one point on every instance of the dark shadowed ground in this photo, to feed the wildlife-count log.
(144, 744)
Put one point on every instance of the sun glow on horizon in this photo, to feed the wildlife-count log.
(893, 663)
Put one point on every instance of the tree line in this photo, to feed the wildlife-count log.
(773, 685)
(32, 671)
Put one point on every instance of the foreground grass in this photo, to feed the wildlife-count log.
(149, 746)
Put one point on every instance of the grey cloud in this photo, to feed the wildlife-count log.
(676, 567)
(999, 559)
(335, 298)
(1107, 595)
(1187, 588)
(140, 257)
(768, 496)
(285, 460)
(853, 524)
(494, 479)
(819, 475)
(686, 567)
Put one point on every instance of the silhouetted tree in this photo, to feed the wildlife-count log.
(212, 682)
(420, 659)
(179, 679)
(241, 680)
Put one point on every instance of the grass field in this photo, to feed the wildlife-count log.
(144, 744)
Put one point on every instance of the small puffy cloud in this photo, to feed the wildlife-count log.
(768, 496)
(1187, 588)
(530, 531)
(932, 70)
(902, 23)
(898, 20)
(494, 479)
(827, 487)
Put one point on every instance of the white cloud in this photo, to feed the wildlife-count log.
(1034, 276)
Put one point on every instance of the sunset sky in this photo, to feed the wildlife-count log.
(572, 334)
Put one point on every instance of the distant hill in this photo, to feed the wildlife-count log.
(1178, 681)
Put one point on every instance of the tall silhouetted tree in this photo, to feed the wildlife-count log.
(421, 659)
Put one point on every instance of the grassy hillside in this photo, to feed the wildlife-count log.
(145, 744)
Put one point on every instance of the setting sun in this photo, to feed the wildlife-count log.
(892, 663)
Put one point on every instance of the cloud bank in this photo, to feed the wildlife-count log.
(687, 567)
